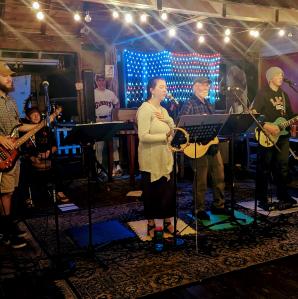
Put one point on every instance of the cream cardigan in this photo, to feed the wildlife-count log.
(153, 152)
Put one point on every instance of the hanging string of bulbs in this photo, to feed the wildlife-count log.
(129, 18)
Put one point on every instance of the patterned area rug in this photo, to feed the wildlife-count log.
(135, 269)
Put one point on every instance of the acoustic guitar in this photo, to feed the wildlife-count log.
(268, 140)
(8, 157)
(198, 150)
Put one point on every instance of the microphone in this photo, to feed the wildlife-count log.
(290, 82)
(169, 95)
(45, 84)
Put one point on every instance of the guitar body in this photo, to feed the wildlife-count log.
(8, 158)
(198, 150)
(270, 140)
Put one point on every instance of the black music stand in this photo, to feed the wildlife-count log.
(235, 125)
(201, 129)
(86, 135)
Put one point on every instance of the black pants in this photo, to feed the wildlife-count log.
(270, 160)
(158, 197)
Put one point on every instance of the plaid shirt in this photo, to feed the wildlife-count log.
(9, 117)
(195, 106)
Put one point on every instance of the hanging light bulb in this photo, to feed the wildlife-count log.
(172, 32)
(201, 39)
(281, 32)
(228, 32)
(88, 17)
(164, 16)
(35, 5)
(77, 17)
(128, 18)
(254, 33)
(143, 18)
(199, 25)
(227, 39)
(40, 15)
(115, 14)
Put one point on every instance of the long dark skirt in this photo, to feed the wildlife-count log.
(158, 197)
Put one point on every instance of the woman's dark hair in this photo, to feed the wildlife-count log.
(151, 84)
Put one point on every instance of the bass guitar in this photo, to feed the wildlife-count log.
(198, 150)
(8, 157)
(268, 140)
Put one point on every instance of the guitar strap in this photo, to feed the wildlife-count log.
(284, 102)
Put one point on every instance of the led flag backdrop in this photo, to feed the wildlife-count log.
(178, 69)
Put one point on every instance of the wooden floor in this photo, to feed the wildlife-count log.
(275, 280)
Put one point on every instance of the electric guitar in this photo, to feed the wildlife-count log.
(269, 139)
(198, 150)
(9, 157)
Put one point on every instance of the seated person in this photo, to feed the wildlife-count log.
(37, 155)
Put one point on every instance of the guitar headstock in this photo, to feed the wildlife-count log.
(56, 111)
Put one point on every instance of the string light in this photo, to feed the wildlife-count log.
(281, 32)
(40, 15)
(35, 5)
(178, 69)
(128, 18)
(254, 33)
(77, 17)
(164, 16)
(199, 25)
(228, 32)
(115, 14)
(227, 39)
(143, 18)
(88, 17)
(172, 32)
(201, 39)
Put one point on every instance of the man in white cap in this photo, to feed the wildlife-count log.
(272, 102)
(211, 162)
(9, 119)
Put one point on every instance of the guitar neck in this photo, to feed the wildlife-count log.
(288, 123)
(29, 134)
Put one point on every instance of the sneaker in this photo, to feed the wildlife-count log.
(102, 176)
(202, 215)
(16, 242)
(117, 171)
(4, 239)
(219, 211)
(267, 206)
(29, 203)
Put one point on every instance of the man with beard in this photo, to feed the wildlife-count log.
(9, 119)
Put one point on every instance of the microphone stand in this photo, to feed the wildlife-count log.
(63, 265)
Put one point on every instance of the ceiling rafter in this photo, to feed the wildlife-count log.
(217, 9)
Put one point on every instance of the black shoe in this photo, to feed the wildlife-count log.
(16, 231)
(289, 200)
(202, 215)
(4, 239)
(17, 243)
(267, 206)
(219, 211)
